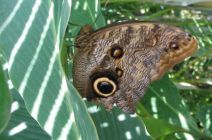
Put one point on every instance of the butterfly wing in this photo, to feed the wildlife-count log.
(115, 65)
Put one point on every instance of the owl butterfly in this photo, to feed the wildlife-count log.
(115, 64)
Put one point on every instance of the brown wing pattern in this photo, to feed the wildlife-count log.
(115, 65)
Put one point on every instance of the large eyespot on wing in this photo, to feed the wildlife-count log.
(104, 83)
(104, 86)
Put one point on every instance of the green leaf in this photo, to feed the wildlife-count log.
(117, 125)
(163, 101)
(5, 99)
(22, 126)
(31, 33)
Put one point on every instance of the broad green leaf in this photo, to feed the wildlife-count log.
(162, 101)
(5, 98)
(117, 125)
(22, 126)
(31, 34)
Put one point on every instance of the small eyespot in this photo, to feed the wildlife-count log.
(174, 46)
(188, 36)
(119, 72)
(117, 52)
(103, 86)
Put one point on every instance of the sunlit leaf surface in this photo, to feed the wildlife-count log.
(117, 125)
(22, 126)
(31, 34)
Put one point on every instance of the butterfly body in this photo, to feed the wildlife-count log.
(125, 58)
